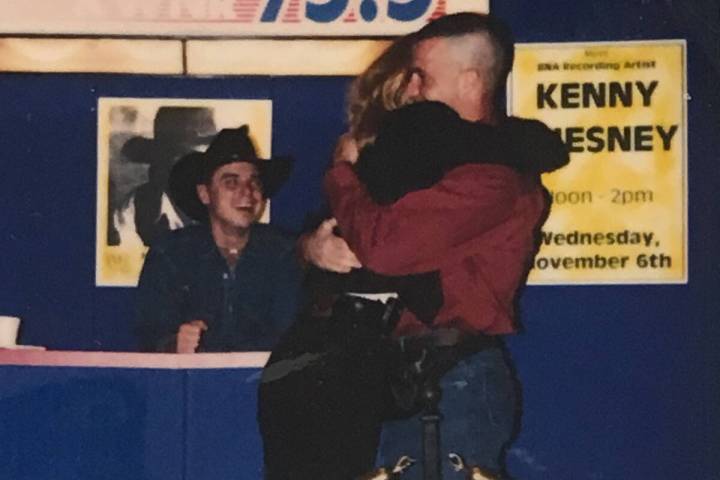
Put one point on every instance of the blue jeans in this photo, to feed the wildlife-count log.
(480, 413)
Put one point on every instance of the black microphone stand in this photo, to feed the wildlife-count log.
(430, 419)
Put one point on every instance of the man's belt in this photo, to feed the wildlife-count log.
(422, 360)
(449, 338)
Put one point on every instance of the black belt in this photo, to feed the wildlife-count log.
(422, 360)
(388, 314)
(449, 338)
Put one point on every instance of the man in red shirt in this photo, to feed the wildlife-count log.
(476, 226)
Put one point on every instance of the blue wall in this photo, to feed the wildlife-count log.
(619, 381)
(49, 163)
(624, 381)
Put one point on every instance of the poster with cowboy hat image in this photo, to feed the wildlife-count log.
(139, 141)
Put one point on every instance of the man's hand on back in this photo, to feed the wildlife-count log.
(322, 247)
(326, 250)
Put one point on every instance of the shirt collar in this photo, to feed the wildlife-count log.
(208, 249)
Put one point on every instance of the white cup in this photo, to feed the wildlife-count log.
(8, 331)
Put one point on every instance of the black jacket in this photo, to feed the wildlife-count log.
(419, 143)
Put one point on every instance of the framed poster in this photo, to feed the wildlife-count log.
(139, 141)
(619, 210)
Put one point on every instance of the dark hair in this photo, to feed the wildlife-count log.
(464, 23)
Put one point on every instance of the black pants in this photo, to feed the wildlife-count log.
(323, 394)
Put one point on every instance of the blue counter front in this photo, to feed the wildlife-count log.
(93, 415)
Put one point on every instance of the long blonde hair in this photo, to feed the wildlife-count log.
(379, 89)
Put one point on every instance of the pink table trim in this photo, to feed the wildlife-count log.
(133, 360)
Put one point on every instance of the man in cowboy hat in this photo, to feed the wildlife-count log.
(227, 283)
(148, 211)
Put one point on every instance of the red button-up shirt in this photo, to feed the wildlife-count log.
(476, 226)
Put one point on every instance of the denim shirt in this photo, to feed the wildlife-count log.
(185, 277)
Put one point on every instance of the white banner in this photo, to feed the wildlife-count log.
(220, 18)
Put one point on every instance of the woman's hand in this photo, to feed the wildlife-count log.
(346, 149)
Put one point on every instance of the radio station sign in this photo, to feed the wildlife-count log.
(234, 18)
(619, 210)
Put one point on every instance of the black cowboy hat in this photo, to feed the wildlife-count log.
(176, 130)
(229, 146)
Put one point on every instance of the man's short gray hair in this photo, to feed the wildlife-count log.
(469, 27)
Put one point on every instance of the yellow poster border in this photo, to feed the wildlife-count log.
(682, 43)
(260, 122)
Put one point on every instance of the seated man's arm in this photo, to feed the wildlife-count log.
(287, 293)
(159, 309)
(416, 233)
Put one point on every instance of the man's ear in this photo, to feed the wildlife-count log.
(203, 193)
(413, 87)
(471, 83)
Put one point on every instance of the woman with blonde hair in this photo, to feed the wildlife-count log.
(329, 362)
(379, 89)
